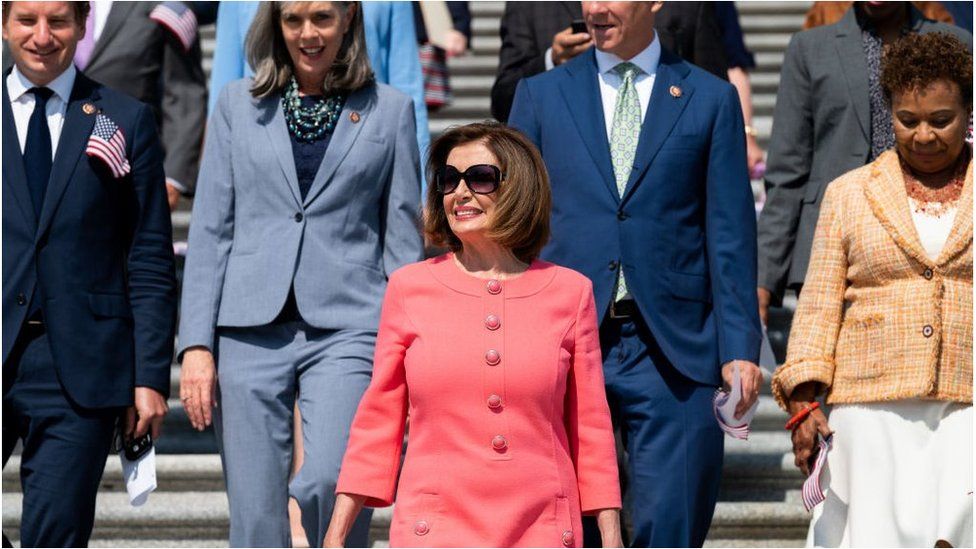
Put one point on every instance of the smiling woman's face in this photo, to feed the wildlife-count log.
(930, 126)
(469, 214)
(313, 33)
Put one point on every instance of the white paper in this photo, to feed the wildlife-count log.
(728, 401)
(767, 360)
(139, 476)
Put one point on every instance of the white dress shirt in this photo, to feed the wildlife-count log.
(100, 10)
(647, 60)
(22, 104)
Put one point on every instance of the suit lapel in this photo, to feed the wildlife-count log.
(585, 105)
(75, 131)
(117, 16)
(888, 199)
(14, 174)
(280, 142)
(961, 235)
(663, 112)
(343, 138)
(853, 63)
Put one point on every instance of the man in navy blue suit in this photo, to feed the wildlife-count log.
(651, 200)
(88, 275)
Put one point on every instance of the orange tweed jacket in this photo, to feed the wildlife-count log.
(877, 318)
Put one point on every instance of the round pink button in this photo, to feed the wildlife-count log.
(494, 402)
(567, 538)
(499, 443)
(494, 287)
(492, 357)
(492, 322)
(421, 527)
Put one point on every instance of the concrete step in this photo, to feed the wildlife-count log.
(174, 473)
(763, 8)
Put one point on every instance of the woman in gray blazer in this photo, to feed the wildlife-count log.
(307, 200)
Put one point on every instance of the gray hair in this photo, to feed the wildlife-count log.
(272, 65)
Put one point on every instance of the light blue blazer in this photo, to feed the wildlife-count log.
(252, 236)
(391, 43)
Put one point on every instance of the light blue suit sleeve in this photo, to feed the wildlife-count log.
(233, 21)
(401, 239)
(392, 46)
(211, 234)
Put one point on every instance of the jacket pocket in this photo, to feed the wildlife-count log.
(693, 287)
(425, 520)
(109, 305)
(564, 524)
(860, 348)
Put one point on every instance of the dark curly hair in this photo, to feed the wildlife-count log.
(917, 60)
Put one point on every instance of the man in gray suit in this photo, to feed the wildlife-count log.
(138, 55)
(830, 118)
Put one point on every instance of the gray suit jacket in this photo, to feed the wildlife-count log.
(252, 237)
(821, 130)
(138, 56)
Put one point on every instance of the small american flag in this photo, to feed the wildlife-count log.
(107, 143)
(179, 19)
(812, 492)
(740, 432)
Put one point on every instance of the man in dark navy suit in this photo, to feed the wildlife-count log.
(651, 200)
(88, 276)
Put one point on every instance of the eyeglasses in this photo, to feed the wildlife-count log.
(480, 178)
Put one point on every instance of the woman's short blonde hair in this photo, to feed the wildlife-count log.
(272, 65)
(523, 199)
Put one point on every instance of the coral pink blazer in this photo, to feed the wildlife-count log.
(510, 436)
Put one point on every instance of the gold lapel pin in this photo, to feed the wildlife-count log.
(88, 108)
(354, 116)
(675, 92)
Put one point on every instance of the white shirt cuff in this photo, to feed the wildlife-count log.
(548, 57)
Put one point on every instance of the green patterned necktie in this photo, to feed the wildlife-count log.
(623, 138)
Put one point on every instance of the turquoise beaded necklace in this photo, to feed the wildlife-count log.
(310, 123)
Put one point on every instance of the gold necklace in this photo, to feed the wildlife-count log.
(934, 195)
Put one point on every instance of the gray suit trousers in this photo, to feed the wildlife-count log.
(261, 371)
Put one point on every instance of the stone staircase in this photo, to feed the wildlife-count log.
(759, 504)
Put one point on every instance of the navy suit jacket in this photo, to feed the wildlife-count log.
(685, 229)
(100, 255)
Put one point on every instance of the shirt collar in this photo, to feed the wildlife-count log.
(647, 60)
(18, 84)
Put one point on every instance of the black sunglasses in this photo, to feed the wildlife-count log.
(480, 178)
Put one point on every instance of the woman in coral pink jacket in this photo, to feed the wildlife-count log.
(494, 356)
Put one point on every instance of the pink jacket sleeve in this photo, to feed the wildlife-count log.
(588, 415)
(376, 438)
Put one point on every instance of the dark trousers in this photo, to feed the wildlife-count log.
(65, 447)
(673, 443)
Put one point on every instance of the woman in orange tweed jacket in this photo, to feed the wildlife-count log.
(884, 322)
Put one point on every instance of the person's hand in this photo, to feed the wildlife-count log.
(567, 45)
(198, 385)
(147, 414)
(751, 378)
(332, 542)
(754, 153)
(805, 434)
(172, 196)
(455, 43)
(765, 298)
(608, 520)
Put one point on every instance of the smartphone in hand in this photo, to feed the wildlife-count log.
(578, 26)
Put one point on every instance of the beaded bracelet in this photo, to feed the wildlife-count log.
(801, 415)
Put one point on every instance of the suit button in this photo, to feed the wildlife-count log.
(927, 331)
(494, 402)
(927, 274)
(612, 265)
(494, 287)
(492, 357)
(568, 538)
(492, 322)
(421, 527)
(621, 215)
(21, 299)
(499, 443)
(299, 217)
